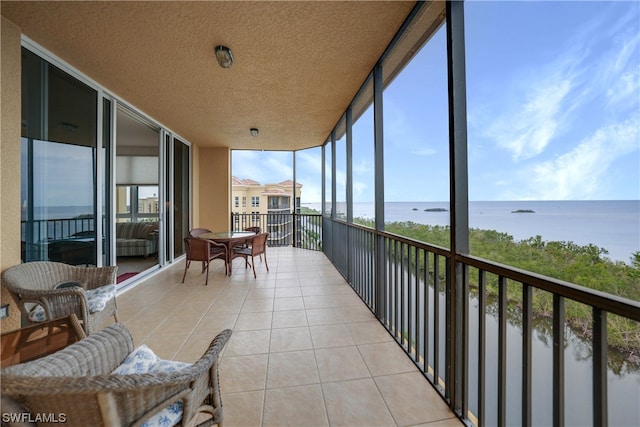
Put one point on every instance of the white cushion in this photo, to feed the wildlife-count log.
(139, 361)
(97, 300)
(143, 360)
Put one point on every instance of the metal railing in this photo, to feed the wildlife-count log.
(410, 287)
(285, 229)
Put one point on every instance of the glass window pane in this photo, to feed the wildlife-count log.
(416, 146)
(137, 193)
(328, 174)
(363, 159)
(341, 170)
(58, 165)
(181, 198)
(553, 124)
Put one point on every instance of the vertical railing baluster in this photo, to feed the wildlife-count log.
(482, 344)
(465, 341)
(436, 319)
(410, 310)
(600, 356)
(502, 351)
(427, 313)
(527, 325)
(558, 360)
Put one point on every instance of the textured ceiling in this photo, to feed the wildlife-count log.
(297, 65)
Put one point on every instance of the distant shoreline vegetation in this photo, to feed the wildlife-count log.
(583, 265)
(523, 211)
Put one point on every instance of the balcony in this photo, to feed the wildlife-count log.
(305, 349)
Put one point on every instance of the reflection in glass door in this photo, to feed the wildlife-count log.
(181, 195)
(58, 165)
(137, 194)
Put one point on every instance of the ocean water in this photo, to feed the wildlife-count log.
(610, 224)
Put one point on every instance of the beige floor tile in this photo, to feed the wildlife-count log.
(449, 422)
(356, 403)
(257, 305)
(311, 279)
(287, 275)
(368, 332)
(339, 364)
(290, 303)
(253, 321)
(287, 283)
(385, 358)
(324, 316)
(213, 323)
(289, 319)
(261, 293)
(292, 368)
(243, 409)
(287, 362)
(323, 289)
(244, 343)
(330, 336)
(297, 406)
(288, 292)
(243, 373)
(165, 346)
(320, 301)
(356, 313)
(194, 347)
(412, 399)
(290, 339)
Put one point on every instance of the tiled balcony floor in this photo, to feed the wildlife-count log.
(305, 350)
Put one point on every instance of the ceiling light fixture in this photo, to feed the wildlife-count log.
(253, 131)
(224, 56)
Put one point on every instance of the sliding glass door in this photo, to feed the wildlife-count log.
(59, 163)
(101, 184)
(137, 193)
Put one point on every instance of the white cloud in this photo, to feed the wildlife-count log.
(526, 128)
(425, 152)
(581, 172)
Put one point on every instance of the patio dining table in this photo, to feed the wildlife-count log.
(230, 239)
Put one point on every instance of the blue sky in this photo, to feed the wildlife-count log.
(553, 106)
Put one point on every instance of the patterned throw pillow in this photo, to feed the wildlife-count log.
(139, 361)
(97, 300)
(144, 360)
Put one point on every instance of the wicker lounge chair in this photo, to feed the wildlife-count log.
(79, 383)
(38, 290)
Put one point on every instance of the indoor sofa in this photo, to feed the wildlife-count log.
(136, 238)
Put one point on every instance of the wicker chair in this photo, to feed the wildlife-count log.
(258, 247)
(33, 286)
(78, 382)
(205, 251)
(197, 232)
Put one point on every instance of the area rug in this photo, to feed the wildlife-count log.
(124, 276)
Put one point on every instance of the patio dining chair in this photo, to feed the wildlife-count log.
(204, 251)
(197, 232)
(258, 247)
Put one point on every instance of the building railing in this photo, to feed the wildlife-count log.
(285, 229)
(46, 238)
(442, 314)
(424, 303)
